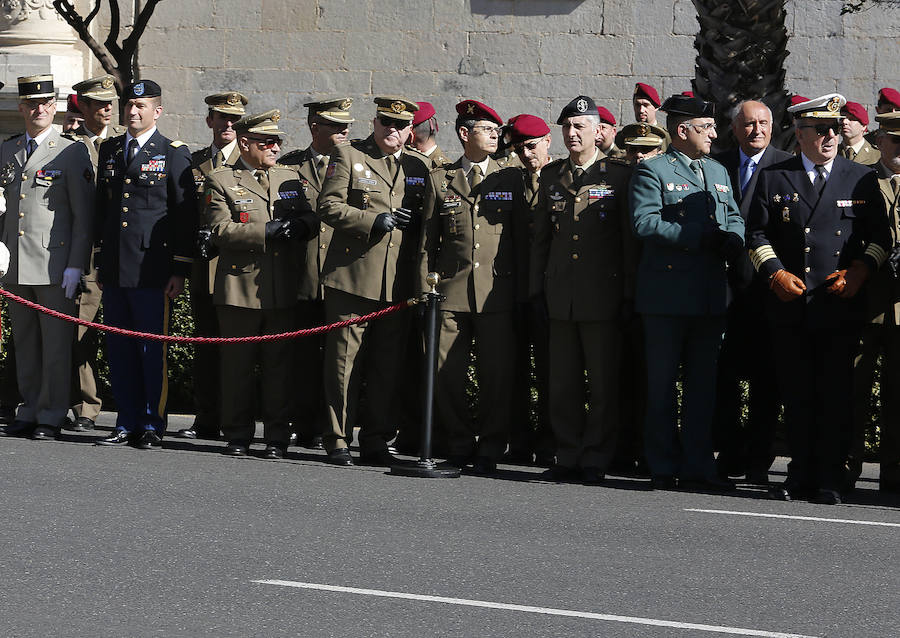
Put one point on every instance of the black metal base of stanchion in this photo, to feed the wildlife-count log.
(425, 469)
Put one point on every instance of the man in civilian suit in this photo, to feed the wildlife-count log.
(746, 349)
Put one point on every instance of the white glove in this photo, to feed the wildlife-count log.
(71, 276)
(4, 259)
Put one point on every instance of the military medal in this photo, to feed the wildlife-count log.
(245, 217)
(786, 214)
(7, 173)
(776, 199)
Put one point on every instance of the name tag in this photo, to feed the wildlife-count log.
(499, 196)
(243, 201)
(415, 181)
(452, 203)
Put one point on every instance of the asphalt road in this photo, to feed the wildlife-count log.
(119, 542)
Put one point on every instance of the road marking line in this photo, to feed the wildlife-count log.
(533, 610)
(796, 518)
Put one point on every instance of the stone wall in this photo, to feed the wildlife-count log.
(516, 55)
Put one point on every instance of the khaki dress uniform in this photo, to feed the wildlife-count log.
(366, 271)
(583, 261)
(436, 159)
(254, 291)
(476, 239)
(867, 154)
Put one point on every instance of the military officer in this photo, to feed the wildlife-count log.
(880, 335)
(95, 99)
(422, 140)
(372, 199)
(853, 130)
(253, 210)
(583, 266)
(685, 214)
(531, 439)
(476, 238)
(645, 102)
(641, 141)
(817, 231)
(48, 185)
(145, 227)
(746, 350)
(329, 124)
(606, 138)
(74, 120)
(887, 101)
(223, 110)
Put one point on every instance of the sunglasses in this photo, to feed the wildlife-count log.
(823, 129)
(389, 122)
(519, 148)
(266, 142)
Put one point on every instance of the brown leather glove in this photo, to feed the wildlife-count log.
(847, 282)
(786, 286)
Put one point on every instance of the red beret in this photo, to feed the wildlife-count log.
(526, 127)
(797, 99)
(425, 112)
(647, 91)
(606, 116)
(72, 103)
(889, 95)
(687, 93)
(474, 110)
(857, 111)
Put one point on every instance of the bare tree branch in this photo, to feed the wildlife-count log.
(67, 11)
(112, 40)
(93, 14)
(855, 6)
(129, 44)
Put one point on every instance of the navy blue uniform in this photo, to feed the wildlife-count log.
(791, 227)
(146, 216)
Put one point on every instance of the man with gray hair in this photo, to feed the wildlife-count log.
(746, 349)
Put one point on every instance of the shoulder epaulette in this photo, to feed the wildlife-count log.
(221, 169)
(12, 137)
(176, 143)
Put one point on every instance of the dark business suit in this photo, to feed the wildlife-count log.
(746, 351)
(791, 227)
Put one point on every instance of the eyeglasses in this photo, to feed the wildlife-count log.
(389, 122)
(35, 103)
(703, 128)
(823, 129)
(488, 130)
(266, 142)
(520, 148)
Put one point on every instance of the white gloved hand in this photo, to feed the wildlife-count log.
(71, 276)
(4, 259)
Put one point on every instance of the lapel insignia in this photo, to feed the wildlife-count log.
(678, 187)
(776, 199)
(555, 195)
(245, 217)
(670, 186)
(795, 198)
(786, 214)
(358, 167)
(51, 143)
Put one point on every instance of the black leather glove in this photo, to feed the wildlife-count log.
(299, 230)
(205, 247)
(277, 230)
(730, 244)
(384, 223)
(402, 218)
(709, 239)
(82, 285)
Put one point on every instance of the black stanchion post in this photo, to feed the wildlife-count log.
(426, 467)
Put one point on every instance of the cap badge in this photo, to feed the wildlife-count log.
(397, 107)
(581, 105)
(275, 117)
(106, 83)
(643, 129)
(834, 104)
(233, 99)
(37, 87)
(139, 89)
(345, 105)
(470, 109)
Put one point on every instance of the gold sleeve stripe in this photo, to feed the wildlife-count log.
(877, 253)
(762, 254)
(186, 260)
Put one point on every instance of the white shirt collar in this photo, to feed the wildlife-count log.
(744, 157)
(430, 151)
(810, 167)
(141, 139)
(856, 147)
(40, 138)
(93, 136)
(467, 165)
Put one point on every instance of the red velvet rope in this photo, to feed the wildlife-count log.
(214, 340)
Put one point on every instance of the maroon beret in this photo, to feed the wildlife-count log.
(72, 103)
(889, 95)
(606, 116)
(526, 127)
(425, 112)
(857, 111)
(687, 93)
(474, 110)
(797, 99)
(647, 91)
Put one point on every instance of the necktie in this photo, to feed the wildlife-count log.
(97, 142)
(849, 153)
(263, 179)
(32, 145)
(698, 170)
(577, 174)
(475, 176)
(220, 159)
(895, 184)
(133, 148)
(819, 182)
(746, 173)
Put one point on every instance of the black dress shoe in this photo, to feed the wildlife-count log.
(827, 497)
(561, 474)
(82, 424)
(758, 477)
(458, 460)
(544, 459)
(149, 441)
(788, 491)
(44, 433)
(382, 458)
(518, 457)
(7, 414)
(187, 433)
(592, 476)
(483, 465)
(18, 428)
(712, 484)
(236, 448)
(339, 456)
(663, 482)
(273, 451)
(118, 437)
